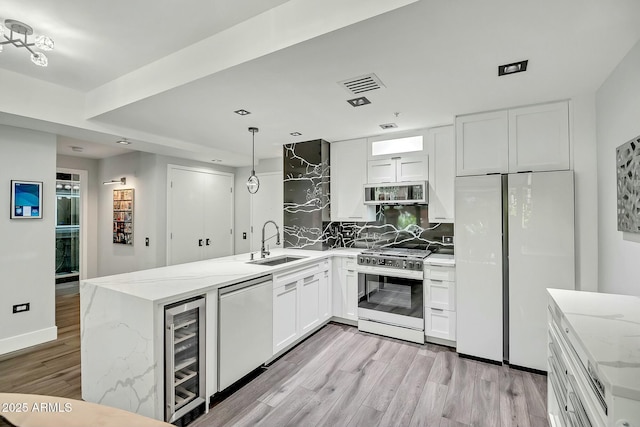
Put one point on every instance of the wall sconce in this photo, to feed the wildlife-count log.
(122, 181)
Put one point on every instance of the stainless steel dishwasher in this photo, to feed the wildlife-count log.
(245, 328)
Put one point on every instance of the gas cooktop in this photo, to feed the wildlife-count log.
(397, 258)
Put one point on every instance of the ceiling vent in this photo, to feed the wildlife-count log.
(389, 126)
(516, 67)
(358, 85)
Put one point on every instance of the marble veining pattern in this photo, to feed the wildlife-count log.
(607, 327)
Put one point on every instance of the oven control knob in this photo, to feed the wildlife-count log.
(418, 265)
(410, 265)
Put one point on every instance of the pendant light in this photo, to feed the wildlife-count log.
(253, 183)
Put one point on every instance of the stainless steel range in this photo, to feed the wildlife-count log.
(391, 292)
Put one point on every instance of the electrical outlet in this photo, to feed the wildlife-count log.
(19, 308)
(244, 236)
(447, 239)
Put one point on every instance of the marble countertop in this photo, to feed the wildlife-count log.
(170, 283)
(441, 259)
(608, 328)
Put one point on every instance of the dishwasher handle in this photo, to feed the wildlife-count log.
(246, 284)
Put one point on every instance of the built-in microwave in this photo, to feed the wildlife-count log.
(396, 193)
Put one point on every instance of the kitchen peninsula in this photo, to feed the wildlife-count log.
(122, 323)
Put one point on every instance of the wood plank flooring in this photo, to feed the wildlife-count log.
(52, 368)
(343, 377)
(337, 377)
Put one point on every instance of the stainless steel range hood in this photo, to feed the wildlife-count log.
(396, 193)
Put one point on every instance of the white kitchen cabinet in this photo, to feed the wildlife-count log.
(539, 138)
(440, 297)
(301, 303)
(348, 176)
(442, 173)
(345, 289)
(398, 169)
(285, 315)
(532, 138)
(482, 143)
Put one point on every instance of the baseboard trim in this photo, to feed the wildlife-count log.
(18, 342)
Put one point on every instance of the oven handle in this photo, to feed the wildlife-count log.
(405, 274)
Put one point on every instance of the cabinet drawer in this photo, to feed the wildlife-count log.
(287, 277)
(441, 294)
(436, 272)
(440, 323)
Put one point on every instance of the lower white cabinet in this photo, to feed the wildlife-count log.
(301, 303)
(345, 288)
(440, 306)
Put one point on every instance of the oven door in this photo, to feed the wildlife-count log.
(394, 298)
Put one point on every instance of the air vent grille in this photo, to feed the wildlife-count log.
(362, 84)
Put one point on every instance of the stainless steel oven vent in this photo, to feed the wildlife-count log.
(362, 84)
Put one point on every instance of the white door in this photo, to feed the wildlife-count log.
(266, 205)
(539, 138)
(479, 266)
(309, 310)
(200, 217)
(348, 176)
(541, 255)
(379, 171)
(285, 315)
(218, 215)
(442, 173)
(351, 295)
(482, 143)
(186, 207)
(412, 169)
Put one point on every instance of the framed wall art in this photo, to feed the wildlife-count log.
(628, 185)
(26, 199)
(123, 216)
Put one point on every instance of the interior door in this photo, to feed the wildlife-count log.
(187, 207)
(218, 215)
(266, 205)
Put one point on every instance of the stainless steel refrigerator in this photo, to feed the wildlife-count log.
(514, 239)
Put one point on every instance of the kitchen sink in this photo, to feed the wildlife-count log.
(283, 259)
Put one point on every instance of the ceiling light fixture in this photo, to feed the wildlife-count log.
(358, 102)
(516, 67)
(295, 134)
(122, 181)
(242, 112)
(253, 183)
(77, 149)
(123, 141)
(21, 29)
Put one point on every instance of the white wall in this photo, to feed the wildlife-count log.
(243, 201)
(583, 134)
(618, 110)
(27, 251)
(90, 191)
(147, 174)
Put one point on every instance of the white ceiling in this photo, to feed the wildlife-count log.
(437, 58)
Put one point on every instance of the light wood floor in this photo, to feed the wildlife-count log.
(52, 368)
(342, 377)
(338, 377)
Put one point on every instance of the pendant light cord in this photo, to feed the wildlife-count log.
(253, 152)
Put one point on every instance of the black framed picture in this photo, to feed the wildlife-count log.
(26, 199)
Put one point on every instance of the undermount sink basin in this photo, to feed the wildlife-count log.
(277, 260)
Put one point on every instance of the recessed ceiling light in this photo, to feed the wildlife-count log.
(295, 134)
(242, 112)
(389, 126)
(216, 160)
(516, 67)
(358, 102)
(77, 149)
(123, 141)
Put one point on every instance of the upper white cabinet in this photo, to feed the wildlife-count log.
(482, 143)
(348, 176)
(442, 173)
(533, 138)
(398, 169)
(539, 138)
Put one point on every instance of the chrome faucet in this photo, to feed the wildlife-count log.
(263, 251)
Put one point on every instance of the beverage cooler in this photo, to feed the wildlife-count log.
(184, 358)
